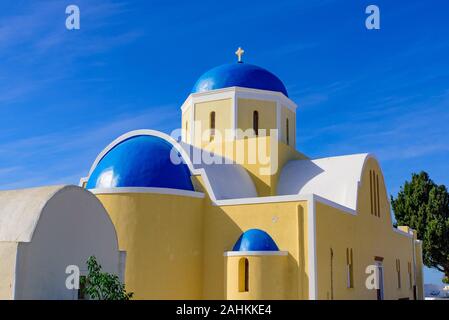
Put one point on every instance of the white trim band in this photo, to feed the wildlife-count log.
(149, 190)
(403, 233)
(254, 253)
(242, 92)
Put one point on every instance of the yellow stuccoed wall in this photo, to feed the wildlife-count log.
(268, 277)
(175, 246)
(163, 239)
(277, 152)
(369, 236)
(266, 110)
(419, 271)
(275, 155)
(223, 118)
(286, 113)
(286, 223)
(186, 123)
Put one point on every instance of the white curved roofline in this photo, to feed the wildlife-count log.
(24, 208)
(148, 132)
(142, 132)
(334, 178)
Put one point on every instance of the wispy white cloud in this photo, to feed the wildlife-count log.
(37, 50)
(407, 133)
(9, 170)
(64, 157)
(306, 97)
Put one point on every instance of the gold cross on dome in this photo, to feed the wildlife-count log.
(240, 53)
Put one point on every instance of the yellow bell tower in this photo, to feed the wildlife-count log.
(235, 110)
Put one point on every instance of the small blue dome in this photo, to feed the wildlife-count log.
(140, 161)
(255, 240)
(239, 75)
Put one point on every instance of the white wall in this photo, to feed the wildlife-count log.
(73, 226)
(8, 252)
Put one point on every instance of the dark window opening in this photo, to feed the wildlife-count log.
(256, 123)
(243, 275)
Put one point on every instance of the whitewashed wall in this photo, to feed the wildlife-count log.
(8, 253)
(73, 226)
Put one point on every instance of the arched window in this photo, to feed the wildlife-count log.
(212, 123)
(287, 131)
(243, 275)
(256, 123)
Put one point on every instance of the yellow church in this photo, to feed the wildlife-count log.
(229, 209)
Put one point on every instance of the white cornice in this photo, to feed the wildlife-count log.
(408, 235)
(151, 190)
(238, 92)
(254, 253)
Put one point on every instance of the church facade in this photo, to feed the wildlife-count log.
(224, 208)
(231, 210)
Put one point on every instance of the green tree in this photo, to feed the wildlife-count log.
(423, 205)
(98, 285)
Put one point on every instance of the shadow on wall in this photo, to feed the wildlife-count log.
(221, 232)
(308, 170)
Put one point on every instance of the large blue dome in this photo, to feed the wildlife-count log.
(239, 75)
(255, 240)
(140, 161)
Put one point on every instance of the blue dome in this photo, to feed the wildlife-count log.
(140, 161)
(255, 240)
(239, 75)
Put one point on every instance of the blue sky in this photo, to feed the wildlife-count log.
(64, 95)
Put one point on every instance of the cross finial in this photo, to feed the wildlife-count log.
(239, 54)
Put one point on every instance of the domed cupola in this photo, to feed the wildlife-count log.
(255, 240)
(238, 101)
(140, 161)
(239, 75)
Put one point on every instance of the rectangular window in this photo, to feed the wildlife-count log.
(212, 124)
(380, 277)
(398, 271)
(374, 193)
(410, 283)
(332, 273)
(256, 122)
(371, 190)
(350, 268)
(243, 275)
(377, 195)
